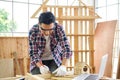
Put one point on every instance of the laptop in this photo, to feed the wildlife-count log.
(86, 76)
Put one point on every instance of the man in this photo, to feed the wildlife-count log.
(49, 49)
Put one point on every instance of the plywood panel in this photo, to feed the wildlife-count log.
(7, 68)
(103, 43)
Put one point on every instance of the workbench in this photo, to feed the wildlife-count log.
(46, 77)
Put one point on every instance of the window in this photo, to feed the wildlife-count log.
(19, 15)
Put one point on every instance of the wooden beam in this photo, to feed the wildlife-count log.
(7, 68)
(77, 17)
(79, 34)
(68, 77)
(25, 65)
(18, 65)
(91, 10)
(42, 6)
(38, 76)
(33, 77)
(12, 78)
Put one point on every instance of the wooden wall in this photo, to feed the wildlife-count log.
(9, 45)
(13, 44)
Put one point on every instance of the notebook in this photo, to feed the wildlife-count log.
(87, 76)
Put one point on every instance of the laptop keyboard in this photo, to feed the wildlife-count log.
(92, 77)
(86, 77)
(81, 77)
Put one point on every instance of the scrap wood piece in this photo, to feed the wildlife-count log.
(11, 78)
(7, 68)
(18, 65)
(45, 76)
(33, 77)
(25, 65)
(38, 76)
(61, 78)
(18, 77)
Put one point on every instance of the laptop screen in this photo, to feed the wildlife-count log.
(103, 65)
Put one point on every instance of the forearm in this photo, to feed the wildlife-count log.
(36, 60)
(65, 61)
(39, 64)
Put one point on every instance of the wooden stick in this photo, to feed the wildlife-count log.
(34, 77)
(16, 60)
(42, 6)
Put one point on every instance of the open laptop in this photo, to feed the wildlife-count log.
(87, 76)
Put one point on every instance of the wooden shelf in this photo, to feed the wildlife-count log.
(80, 35)
(77, 17)
(82, 50)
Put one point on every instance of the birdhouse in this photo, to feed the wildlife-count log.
(81, 67)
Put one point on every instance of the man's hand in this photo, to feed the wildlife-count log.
(61, 71)
(44, 69)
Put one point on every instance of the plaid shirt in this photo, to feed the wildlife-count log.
(59, 45)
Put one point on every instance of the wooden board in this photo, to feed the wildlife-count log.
(103, 43)
(7, 68)
(12, 78)
(48, 77)
(38, 77)
(69, 77)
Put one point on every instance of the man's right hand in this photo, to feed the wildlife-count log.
(60, 71)
(44, 69)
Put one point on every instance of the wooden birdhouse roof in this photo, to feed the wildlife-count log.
(90, 12)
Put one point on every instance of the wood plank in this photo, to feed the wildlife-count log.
(76, 17)
(61, 6)
(17, 63)
(7, 68)
(69, 77)
(13, 78)
(33, 77)
(42, 6)
(60, 12)
(76, 57)
(38, 76)
(25, 62)
(79, 34)
(91, 39)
